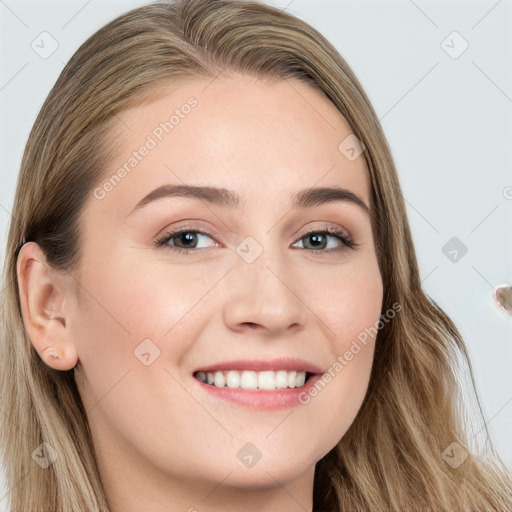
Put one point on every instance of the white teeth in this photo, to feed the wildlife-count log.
(281, 379)
(249, 380)
(219, 379)
(264, 380)
(233, 380)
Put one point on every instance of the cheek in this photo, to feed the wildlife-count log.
(123, 305)
(349, 303)
(128, 312)
(350, 306)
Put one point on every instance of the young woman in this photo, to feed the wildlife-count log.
(212, 300)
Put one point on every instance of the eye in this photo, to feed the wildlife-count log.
(185, 240)
(186, 236)
(320, 240)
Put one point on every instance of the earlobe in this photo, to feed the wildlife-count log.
(42, 291)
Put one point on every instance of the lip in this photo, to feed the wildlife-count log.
(283, 363)
(263, 400)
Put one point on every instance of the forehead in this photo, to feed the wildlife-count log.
(238, 133)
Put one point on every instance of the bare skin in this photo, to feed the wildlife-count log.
(164, 443)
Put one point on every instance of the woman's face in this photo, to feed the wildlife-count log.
(259, 287)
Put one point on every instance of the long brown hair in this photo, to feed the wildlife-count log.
(391, 458)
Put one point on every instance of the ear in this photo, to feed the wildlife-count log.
(43, 291)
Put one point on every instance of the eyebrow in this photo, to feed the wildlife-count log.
(305, 198)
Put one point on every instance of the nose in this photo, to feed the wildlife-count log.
(264, 296)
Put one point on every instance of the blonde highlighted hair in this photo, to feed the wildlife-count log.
(391, 457)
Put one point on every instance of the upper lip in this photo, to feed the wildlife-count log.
(288, 364)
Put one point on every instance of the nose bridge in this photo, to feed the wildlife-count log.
(261, 289)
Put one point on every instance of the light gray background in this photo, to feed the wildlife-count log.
(448, 122)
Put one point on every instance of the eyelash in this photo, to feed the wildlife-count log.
(337, 233)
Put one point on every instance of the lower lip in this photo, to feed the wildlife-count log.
(261, 399)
